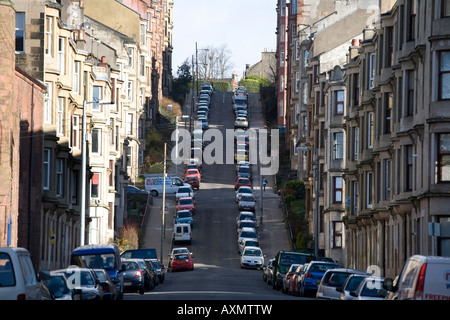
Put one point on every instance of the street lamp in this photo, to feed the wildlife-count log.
(176, 142)
(316, 216)
(196, 62)
(83, 168)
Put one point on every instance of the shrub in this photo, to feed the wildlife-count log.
(128, 237)
(297, 186)
(300, 242)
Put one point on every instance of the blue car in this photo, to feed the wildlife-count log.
(312, 276)
(184, 216)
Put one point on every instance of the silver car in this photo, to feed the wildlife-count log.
(351, 283)
(246, 202)
(333, 279)
(371, 288)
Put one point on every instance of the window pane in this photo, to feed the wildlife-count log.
(445, 86)
(444, 143)
(445, 61)
(445, 8)
(95, 140)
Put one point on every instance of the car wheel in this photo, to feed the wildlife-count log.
(154, 193)
(141, 290)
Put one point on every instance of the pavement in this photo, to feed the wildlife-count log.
(272, 231)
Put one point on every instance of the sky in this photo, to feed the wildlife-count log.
(247, 27)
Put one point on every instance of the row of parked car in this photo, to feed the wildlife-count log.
(422, 278)
(204, 102)
(96, 272)
(251, 255)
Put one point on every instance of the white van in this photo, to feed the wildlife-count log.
(154, 184)
(182, 232)
(18, 280)
(422, 278)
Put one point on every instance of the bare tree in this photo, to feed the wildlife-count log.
(224, 64)
(214, 63)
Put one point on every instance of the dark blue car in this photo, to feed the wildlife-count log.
(312, 276)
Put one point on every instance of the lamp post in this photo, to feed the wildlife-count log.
(196, 63)
(316, 215)
(176, 142)
(84, 141)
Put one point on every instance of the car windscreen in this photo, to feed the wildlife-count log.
(185, 201)
(139, 254)
(184, 214)
(289, 258)
(248, 234)
(252, 252)
(335, 279)
(7, 278)
(96, 261)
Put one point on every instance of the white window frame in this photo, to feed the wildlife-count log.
(130, 89)
(61, 55)
(49, 36)
(20, 29)
(46, 164)
(97, 98)
(369, 190)
(338, 149)
(76, 76)
(130, 123)
(370, 130)
(371, 71)
(76, 132)
(97, 139)
(60, 177)
(60, 117)
(48, 103)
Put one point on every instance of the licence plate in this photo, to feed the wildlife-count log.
(127, 283)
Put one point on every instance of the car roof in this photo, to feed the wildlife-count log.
(430, 259)
(95, 249)
(184, 198)
(248, 229)
(252, 247)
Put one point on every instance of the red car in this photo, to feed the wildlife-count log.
(186, 204)
(181, 261)
(241, 181)
(193, 181)
(193, 172)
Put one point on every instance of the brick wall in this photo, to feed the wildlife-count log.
(9, 127)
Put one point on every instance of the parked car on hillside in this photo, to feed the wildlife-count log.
(184, 192)
(133, 278)
(186, 204)
(268, 272)
(59, 289)
(370, 288)
(181, 261)
(84, 280)
(351, 284)
(159, 269)
(313, 274)
(242, 190)
(288, 277)
(252, 257)
(331, 280)
(422, 278)
(18, 280)
(110, 290)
